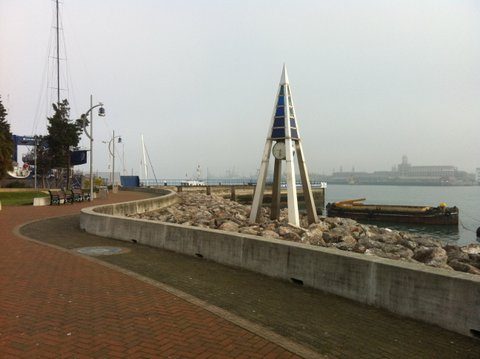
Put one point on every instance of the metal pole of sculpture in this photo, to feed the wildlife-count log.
(284, 131)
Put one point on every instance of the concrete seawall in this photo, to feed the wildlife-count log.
(446, 298)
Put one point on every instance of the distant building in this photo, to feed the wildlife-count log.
(406, 170)
(407, 174)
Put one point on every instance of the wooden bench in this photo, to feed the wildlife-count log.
(56, 197)
(78, 195)
(86, 196)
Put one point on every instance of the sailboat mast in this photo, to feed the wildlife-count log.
(58, 55)
(145, 168)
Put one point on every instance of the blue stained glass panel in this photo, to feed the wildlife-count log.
(281, 101)
(294, 133)
(280, 111)
(279, 122)
(281, 91)
(278, 133)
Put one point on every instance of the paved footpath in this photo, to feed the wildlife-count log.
(55, 304)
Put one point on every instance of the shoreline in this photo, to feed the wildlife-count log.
(215, 212)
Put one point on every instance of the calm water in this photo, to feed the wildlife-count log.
(467, 199)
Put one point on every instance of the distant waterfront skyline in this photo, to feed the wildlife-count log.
(371, 80)
(394, 166)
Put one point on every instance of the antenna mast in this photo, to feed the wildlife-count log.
(58, 54)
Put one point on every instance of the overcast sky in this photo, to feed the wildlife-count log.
(372, 80)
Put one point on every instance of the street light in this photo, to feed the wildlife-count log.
(101, 112)
(112, 153)
(35, 160)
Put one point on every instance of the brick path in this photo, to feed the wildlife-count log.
(55, 304)
(331, 325)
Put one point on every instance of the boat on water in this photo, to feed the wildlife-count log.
(356, 209)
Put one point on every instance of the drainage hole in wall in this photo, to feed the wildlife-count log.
(475, 333)
(297, 281)
(199, 255)
(134, 240)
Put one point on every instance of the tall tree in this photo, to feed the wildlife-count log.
(62, 136)
(6, 143)
(43, 161)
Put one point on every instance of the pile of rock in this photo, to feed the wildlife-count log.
(216, 212)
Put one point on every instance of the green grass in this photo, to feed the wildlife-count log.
(19, 198)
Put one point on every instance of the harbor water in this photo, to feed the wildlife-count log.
(467, 199)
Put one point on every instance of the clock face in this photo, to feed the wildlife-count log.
(279, 151)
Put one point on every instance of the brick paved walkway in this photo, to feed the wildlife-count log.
(329, 324)
(55, 304)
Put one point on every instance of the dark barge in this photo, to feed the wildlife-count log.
(356, 209)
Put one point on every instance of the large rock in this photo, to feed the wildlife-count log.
(314, 236)
(357, 231)
(397, 251)
(270, 226)
(320, 226)
(432, 256)
(379, 252)
(333, 236)
(389, 237)
(347, 243)
(391, 252)
(271, 234)
(455, 253)
(239, 218)
(292, 236)
(474, 260)
(423, 241)
(472, 249)
(369, 243)
(229, 226)
(250, 230)
(287, 230)
(463, 267)
(408, 243)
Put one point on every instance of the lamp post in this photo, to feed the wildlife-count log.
(101, 112)
(112, 153)
(35, 160)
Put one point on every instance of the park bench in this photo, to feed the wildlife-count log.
(78, 195)
(56, 197)
(86, 196)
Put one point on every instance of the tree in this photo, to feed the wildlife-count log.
(6, 143)
(62, 136)
(43, 162)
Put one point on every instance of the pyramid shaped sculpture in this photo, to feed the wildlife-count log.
(284, 132)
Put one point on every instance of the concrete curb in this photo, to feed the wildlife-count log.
(41, 201)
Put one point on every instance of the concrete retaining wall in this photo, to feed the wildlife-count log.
(41, 201)
(448, 299)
